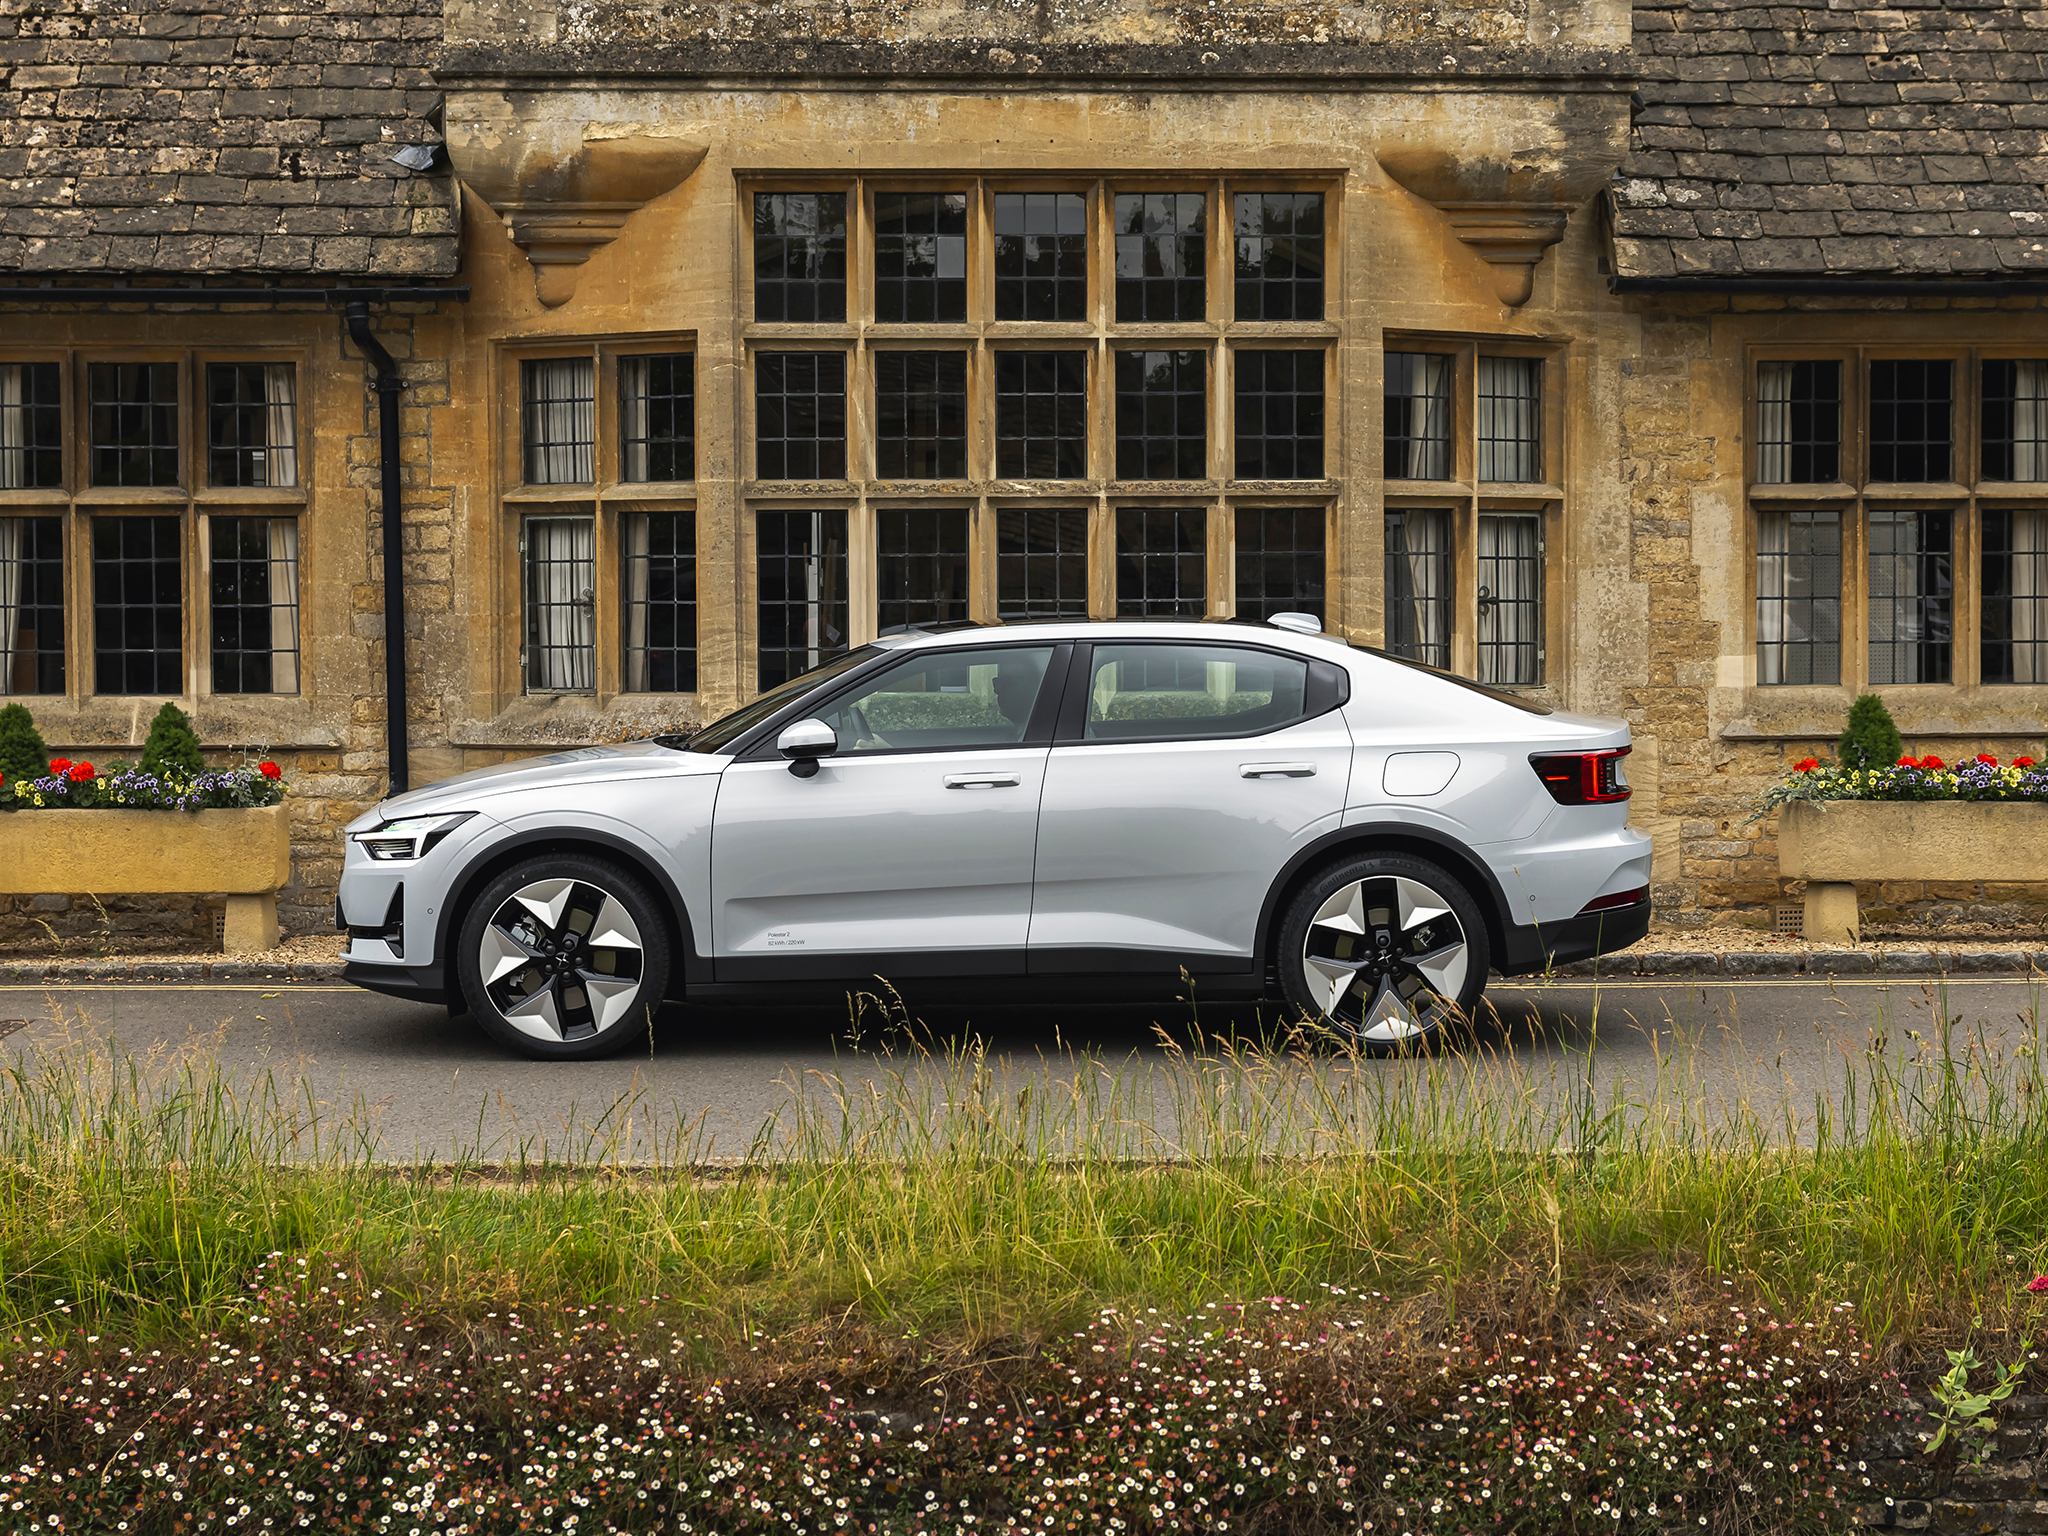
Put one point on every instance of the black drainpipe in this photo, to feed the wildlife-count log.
(389, 386)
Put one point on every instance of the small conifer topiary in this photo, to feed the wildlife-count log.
(172, 750)
(22, 752)
(1872, 739)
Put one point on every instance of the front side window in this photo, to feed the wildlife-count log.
(1041, 415)
(1279, 415)
(558, 420)
(1280, 561)
(31, 605)
(800, 256)
(658, 417)
(2015, 616)
(138, 606)
(1162, 562)
(1041, 563)
(1510, 425)
(800, 416)
(1041, 256)
(561, 605)
(920, 566)
(1798, 422)
(660, 601)
(1139, 691)
(920, 256)
(1161, 256)
(1419, 592)
(1510, 599)
(253, 590)
(1162, 403)
(134, 413)
(252, 433)
(800, 614)
(954, 701)
(920, 415)
(31, 427)
(1912, 407)
(1279, 255)
(1911, 597)
(1418, 415)
(1799, 597)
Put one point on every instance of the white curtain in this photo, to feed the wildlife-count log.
(1418, 595)
(1511, 574)
(562, 622)
(13, 545)
(2029, 421)
(13, 431)
(1898, 610)
(281, 456)
(633, 425)
(2029, 597)
(561, 421)
(637, 671)
(1773, 547)
(284, 604)
(1509, 419)
(1426, 453)
(1773, 423)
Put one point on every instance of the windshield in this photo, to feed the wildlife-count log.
(735, 725)
(1498, 694)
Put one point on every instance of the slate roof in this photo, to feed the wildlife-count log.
(1837, 138)
(220, 137)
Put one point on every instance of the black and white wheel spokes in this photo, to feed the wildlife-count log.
(561, 960)
(1385, 958)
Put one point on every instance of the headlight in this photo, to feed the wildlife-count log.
(411, 837)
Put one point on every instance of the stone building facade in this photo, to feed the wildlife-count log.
(1517, 337)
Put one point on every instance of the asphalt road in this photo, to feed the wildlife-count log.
(407, 1082)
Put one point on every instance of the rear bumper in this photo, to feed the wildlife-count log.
(1537, 947)
(414, 983)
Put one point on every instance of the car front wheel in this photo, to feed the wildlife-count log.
(1385, 950)
(564, 958)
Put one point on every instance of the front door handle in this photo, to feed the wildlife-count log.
(981, 781)
(1276, 770)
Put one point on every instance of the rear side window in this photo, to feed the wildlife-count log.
(1138, 691)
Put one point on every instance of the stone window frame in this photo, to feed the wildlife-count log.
(1466, 497)
(606, 500)
(77, 502)
(1218, 333)
(1966, 498)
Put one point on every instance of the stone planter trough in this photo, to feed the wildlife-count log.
(246, 853)
(1831, 844)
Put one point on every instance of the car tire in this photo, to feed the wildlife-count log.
(564, 958)
(1385, 951)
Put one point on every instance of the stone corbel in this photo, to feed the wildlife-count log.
(565, 190)
(1508, 215)
(1511, 238)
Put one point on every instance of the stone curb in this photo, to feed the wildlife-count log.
(1824, 962)
(77, 972)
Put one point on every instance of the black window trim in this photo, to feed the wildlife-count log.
(1038, 732)
(1328, 688)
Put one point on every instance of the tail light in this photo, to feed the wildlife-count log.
(1583, 778)
(1618, 899)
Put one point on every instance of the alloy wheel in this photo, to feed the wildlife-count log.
(1385, 958)
(561, 960)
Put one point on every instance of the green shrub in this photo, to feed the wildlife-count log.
(1872, 739)
(23, 754)
(172, 750)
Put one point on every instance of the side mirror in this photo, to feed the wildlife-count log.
(804, 743)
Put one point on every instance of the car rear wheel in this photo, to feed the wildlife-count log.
(564, 958)
(1388, 951)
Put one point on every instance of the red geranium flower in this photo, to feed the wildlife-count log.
(1806, 765)
(1986, 757)
(1909, 762)
(59, 764)
(2038, 1283)
(80, 772)
(270, 770)
(1931, 761)
(2023, 762)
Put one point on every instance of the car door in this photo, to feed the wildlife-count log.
(1182, 778)
(910, 851)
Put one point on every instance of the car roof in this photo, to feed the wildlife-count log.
(1204, 631)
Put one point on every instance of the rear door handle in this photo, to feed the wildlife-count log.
(1276, 770)
(981, 781)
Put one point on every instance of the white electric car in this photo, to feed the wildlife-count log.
(1086, 808)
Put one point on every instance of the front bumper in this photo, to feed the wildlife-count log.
(1538, 947)
(414, 983)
